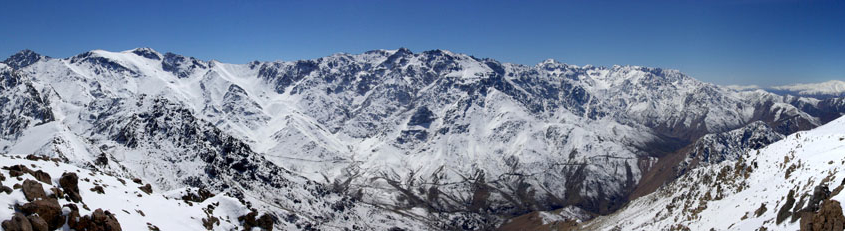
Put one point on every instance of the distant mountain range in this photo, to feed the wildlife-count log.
(829, 89)
(386, 139)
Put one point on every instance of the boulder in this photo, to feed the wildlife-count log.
(57, 193)
(146, 188)
(98, 221)
(98, 189)
(6, 189)
(18, 222)
(265, 222)
(201, 195)
(70, 184)
(33, 190)
(42, 176)
(38, 223)
(48, 209)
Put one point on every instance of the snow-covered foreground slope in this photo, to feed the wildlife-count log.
(133, 208)
(779, 187)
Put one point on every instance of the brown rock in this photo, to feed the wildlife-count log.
(48, 209)
(73, 219)
(265, 222)
(17, 223)
(146, 188)
(38, 223)
(42, 176)
(17, 170)
(98, 189)
(33, 190)
(98, 221)
(57, 193)
(13, 173)
(829, 217)
(200, 196)
(6, 189)
(137, 181)
(37, 158)
(70, 184)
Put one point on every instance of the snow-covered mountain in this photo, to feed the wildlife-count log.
(791, 184)
(411, 140)
(832, 88)
(823, 90)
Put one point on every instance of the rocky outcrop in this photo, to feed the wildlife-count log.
(829, 217)
(265, 222)
(99, 220)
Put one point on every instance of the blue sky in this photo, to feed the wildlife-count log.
(763, 42)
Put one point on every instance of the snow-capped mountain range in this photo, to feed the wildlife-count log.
(828, 89)
(834, 88)
(387, 138)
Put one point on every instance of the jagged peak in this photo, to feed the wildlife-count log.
(403, 50)
(146, 52)
(23, 58)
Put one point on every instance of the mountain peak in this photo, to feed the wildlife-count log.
(146, 52)
(23, 58)
(403, 51)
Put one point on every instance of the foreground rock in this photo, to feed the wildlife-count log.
(48, 209)
(17, 223)
(33, 190)
(98, 221)
(829, 217)
(70, 185)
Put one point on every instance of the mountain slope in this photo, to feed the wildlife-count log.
(781, 187)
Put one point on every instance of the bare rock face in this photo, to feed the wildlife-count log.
(17, 223)
(48, 209)
(33, 190)
(829, 217)
(70, 184)
(98, 221)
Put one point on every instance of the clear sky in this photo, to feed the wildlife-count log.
(763, 42)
